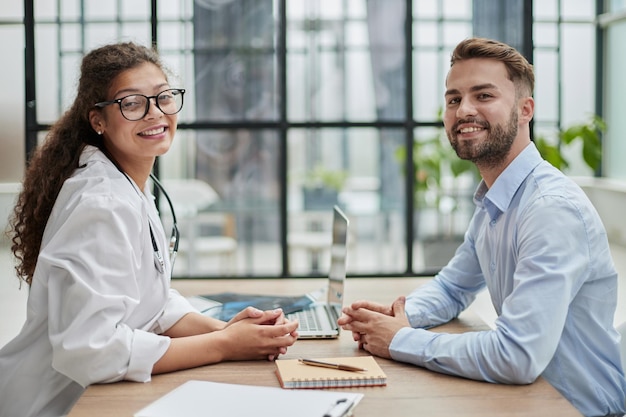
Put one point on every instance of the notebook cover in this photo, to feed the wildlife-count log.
(293, 375)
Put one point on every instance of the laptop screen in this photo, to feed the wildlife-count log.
(338, 251)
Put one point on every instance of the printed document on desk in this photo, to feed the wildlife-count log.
(204, 398)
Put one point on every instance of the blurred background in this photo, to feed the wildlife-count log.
(294, 106)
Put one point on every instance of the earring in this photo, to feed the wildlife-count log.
(99, 132)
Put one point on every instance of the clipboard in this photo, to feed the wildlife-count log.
(203, 398)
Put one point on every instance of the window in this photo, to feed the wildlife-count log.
(293, 106)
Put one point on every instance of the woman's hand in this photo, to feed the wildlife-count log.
(251, 334)
(271, 316)
(267, 335)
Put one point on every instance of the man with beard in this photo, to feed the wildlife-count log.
(535, 241)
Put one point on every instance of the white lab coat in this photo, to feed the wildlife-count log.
(97, 303)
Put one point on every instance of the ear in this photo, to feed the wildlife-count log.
(527, 109)
(97, 122)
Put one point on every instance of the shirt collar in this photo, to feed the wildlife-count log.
(496, 200)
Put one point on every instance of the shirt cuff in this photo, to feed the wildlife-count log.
(146, 350)
(409, 345)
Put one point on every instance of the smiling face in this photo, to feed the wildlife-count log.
(483, 114)
(135, 144)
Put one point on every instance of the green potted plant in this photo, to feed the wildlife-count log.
(587, 133)
(322, 187)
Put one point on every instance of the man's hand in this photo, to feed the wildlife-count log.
(373, 325)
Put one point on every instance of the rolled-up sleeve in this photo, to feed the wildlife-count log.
(177, 306)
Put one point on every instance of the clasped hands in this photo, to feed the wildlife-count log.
(374, 325)
(269, 331)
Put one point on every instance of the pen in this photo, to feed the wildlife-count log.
(339, 366)
(338, 409)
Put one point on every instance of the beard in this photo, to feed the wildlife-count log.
(490, 152)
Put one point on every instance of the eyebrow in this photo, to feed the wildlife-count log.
(479, 87)
(136, 91)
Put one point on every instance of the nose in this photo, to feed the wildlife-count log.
(153, 110)
(466, 108)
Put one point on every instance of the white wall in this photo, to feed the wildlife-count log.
(609, 198)
(11, 106)
(12, 97)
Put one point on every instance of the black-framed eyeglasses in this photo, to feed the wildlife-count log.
(135, 106)
(175, 237)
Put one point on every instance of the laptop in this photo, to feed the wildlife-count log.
(317, 312)
(319, 319)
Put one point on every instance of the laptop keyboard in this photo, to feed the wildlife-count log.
(307, 318)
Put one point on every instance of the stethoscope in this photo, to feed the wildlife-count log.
(175, 236)
(159, 261)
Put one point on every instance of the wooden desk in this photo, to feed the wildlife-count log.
(410, 390)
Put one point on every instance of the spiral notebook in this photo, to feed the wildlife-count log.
(292, 374)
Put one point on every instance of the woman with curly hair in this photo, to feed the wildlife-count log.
(86, 233)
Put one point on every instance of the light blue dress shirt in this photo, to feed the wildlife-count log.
(538, 245)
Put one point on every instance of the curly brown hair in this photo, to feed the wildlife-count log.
(57, 157)
(520, 71)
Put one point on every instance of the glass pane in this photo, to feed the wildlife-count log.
(235, 74)
(454, 32)
(546, 86)
(434, 41)
(580, 9)
(43, 9)
(70, 37)
(135, 10)
(12, 11)
(578, 51)
(425, 34)
(12, 115)
(359, 169)
(546, 35)
(240, 172)
(546, 9)
(47, 73)
(343, 69)
(97, 9)
(617, 5)
(386, 32)
(426, 8)
(616, 122)
(136, 32)
(180, 64)
(70, 68)
(70, 9)
(174, 35)
(360, 88)
(172, 9)
(457, 9)
(428, 82)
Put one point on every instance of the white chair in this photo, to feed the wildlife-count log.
(192, 200)
(310, 232)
